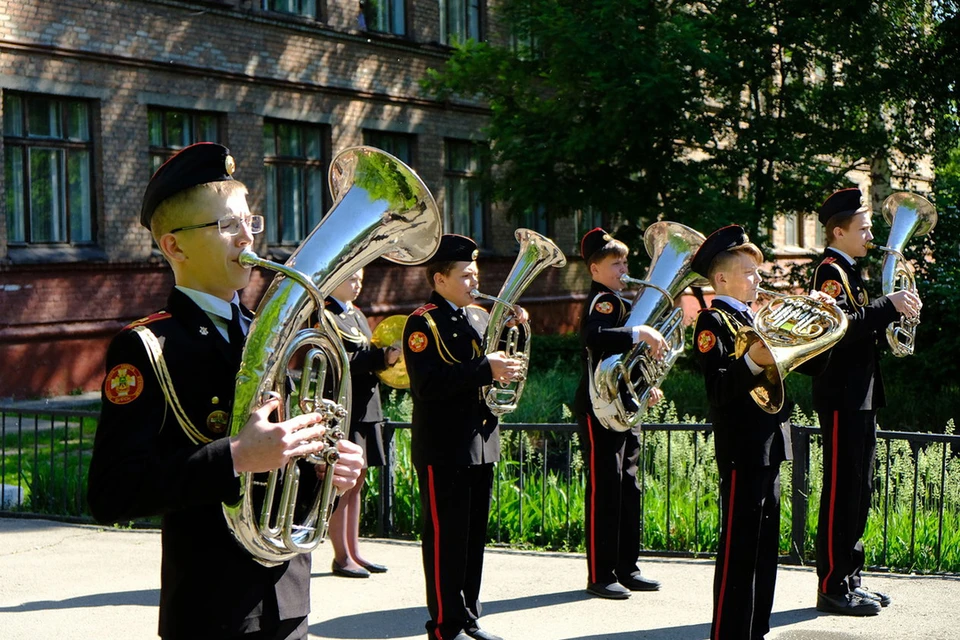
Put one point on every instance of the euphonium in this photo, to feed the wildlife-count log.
(536, 254)
(908, 215)
(381, 209)
(620, 384)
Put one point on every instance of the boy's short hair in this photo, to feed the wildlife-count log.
(434, 268)
(834, 223)
(180, 209)
(723, 259)
(613, 247)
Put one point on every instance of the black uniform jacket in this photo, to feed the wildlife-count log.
(744, 434)
(153, 457)
(451, 422)
(602, 334)
(852, 378)
(365, 361)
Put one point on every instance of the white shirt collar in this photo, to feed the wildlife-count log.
(346, 306)
(210, 303)
(844, 256)
(733, 302)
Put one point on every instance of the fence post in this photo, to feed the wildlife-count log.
(801, 471)
(385, 517)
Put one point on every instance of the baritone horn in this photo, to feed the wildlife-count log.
(537, 252)
(620, 384)
(386, 334)
(381, 209)
(794, 329)
(908, 215)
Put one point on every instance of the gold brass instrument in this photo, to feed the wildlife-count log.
(389, 332)
(908, 215)
(794, 329)
(620, 384)
(536, 254)
(381, 209)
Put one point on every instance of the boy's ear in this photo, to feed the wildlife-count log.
(593, 268)
(171, 248)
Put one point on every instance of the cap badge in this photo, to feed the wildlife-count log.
(229, 164)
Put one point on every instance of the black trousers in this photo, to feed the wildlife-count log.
(456, 505)
(849, 455)
(612, 501)
(746, 571)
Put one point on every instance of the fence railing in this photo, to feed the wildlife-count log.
(44, 457)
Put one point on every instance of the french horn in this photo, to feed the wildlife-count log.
(537, 252)
(794, 329)
(620, 384)
(382, 209)
(388, 333)
(908, 215)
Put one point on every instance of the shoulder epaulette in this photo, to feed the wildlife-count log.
(829, 260)
(425, 308)
(150, 319)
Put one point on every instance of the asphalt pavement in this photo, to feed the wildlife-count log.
(76, 582)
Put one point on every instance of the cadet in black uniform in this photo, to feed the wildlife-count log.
(366, 422)
(612, 501)
(750, 443)
(160, 447)
(846, 397)
(456, 439)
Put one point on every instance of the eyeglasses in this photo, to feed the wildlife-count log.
(229, 225)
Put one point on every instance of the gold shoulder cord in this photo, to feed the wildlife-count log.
(727, 320)
(441, 348)
(355, 339)
(846, 285)
(155, 352)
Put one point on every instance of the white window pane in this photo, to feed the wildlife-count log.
(14, 187)
(47, 211)
(78, 173)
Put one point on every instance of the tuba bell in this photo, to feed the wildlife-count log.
(794, 329)
(381, 209)
(620, 384)
(908, 215)
(536, 254)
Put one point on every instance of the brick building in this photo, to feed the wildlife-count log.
(97, 94)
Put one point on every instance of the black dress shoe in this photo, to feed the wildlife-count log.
(373, 567)
(848, 604)
(636, 582)
(349, 573)
(876, 596)
(480, 634)
(612, 591)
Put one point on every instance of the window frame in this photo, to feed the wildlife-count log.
(473, 180)
(64, 144)
(405, 24)
(370, 139)
(166, 151)
(447, 36)
(317, 13)
(320, 165)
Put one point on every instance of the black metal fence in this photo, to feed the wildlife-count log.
(44, 457)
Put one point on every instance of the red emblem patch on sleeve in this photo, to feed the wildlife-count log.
(832, 288)
(604, 307)
(705, 341)
(124, 384)
(417, 341)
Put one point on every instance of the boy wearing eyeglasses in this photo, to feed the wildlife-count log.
(162, 447)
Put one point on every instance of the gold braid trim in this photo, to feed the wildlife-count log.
(441, 348)
(846, 285)
(155, 352)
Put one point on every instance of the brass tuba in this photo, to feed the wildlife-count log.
(536, 254)
(381, 209)
(794, 329)
(620, 384)
(908, 215)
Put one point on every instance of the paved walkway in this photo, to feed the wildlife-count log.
(75, 582)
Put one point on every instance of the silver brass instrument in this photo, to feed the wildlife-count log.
(536, 254)
(794, 329)
(381, 209)
(908, 215)
(620, 384)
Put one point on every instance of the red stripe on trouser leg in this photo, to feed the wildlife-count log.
(592, 524)
(831, 516)
(726, 554)
(436, 551)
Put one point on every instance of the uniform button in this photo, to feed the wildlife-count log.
(214, 400)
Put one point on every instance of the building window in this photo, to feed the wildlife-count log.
(464, 210)
(820, 236)
(385, 16)
(48, 151)
(307, 8)
(295, 167)
(535, 219)
(792, 233)
(173, 129)
(400, 145)
(460, 20)
(587, 220)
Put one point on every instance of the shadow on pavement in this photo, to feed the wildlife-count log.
(144, 598)
(402, 623)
